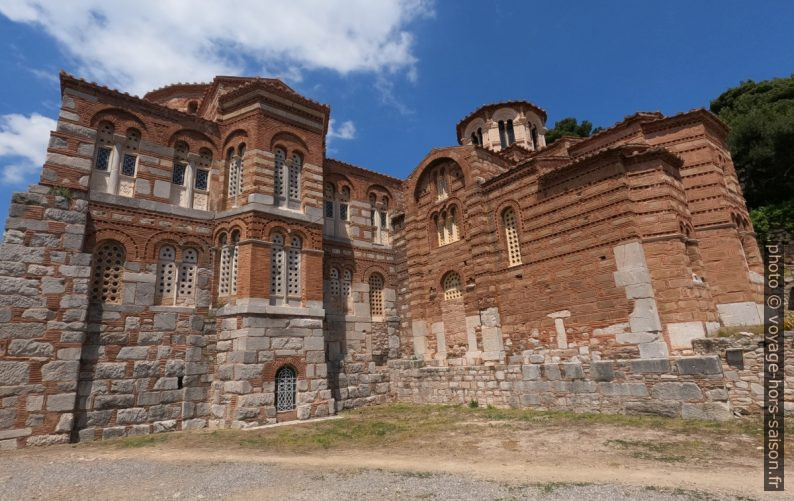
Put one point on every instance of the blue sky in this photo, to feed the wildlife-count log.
(397, 74)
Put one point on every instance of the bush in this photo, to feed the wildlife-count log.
(474, 404)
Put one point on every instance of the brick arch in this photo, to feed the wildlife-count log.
(229, 226)
(234, 137)
(194, 139)
(130, 247)
(156, 240)
(424, 173)
(379, 189)
(294, 361)
(376, 268)
(500, 209)
(118, 116)
(340, 264)
(285, 138)
(339, 181)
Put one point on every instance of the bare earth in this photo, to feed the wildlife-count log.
(478, 458)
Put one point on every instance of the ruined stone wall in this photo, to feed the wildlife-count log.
(707, 386)
(44, 286)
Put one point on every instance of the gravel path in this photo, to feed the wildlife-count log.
(100, 478)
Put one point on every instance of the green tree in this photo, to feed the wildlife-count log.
(761, 118)
(569, 127)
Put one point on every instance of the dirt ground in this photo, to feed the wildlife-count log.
(655, 458)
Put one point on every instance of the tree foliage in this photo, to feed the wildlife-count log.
(569, 127)
(773, 217)
(761, 118)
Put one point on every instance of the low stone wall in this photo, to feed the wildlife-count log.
(698, 387)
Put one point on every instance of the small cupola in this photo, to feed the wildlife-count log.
(500, 125)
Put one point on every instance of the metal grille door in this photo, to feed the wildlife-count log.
(285, 389)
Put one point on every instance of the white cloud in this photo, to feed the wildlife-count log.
(142, 45)
(23, 146)
(345, 131)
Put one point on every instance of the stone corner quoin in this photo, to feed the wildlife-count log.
(193, 259)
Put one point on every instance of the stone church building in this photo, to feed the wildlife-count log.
(193, 259)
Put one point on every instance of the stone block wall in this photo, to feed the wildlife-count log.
(44, 279)
(698, 387)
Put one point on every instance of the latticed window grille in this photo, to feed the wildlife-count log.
(166, 270)
(376, 295)
(103, 158)
(187, 274)
(511, 237)
(224, 268)
(440, 229)
(178, 176)
(294, 177)
(106, 283)
(347, 282)
(286, 385)
(202, 179)
(236, 172)
(278, 174)
(293, 263)
(128, 165)
(329, 200)
(277, 266)
(235, 251)
(384, 221)
(333, 281)
(344, 199)
(452, 289)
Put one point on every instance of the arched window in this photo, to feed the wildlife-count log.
(278, 176)
(372, 208)
(180, 163)
(511, 135)
(286, 385)
(502, 134)
(235, 168)
(479, 136)
(474, 138)
(441, 184)
(107, 280)
(187, 275)
(234, 257)
(384, 214)
(225, 266)
(129, 162)
(376, 295)
(330, 193)
(511, 236)
(451, 283)
(533, 132)
(166, 271)
(439, 220)
(104, 147)
(452, 221)
(333, 282)
(347, 283)
(192, 107)
(202, 178)
(344, 200)
(294, 267)
(277, 267)
(295, 177)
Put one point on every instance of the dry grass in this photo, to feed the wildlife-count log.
(404, 426)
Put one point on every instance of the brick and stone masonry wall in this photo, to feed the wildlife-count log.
(697, 387)
(43, 305)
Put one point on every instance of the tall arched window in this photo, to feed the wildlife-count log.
(166, 272)
(224, 267)
(347, 283)
(384, 214)
(294, 267)
(187, 275)
(279, 196)
(235, 169)
(294, 183)
(511, 236)
(451, 284)
(474, 139)
(372, 208)
(104, 152)
(129, 161)
(441, 184)
(333, 282)
(376, 295)
(452, 221)
(344, 201)
(533, 132)
(502, 134)
(277, 267)
(286, 386)
(439, 221)
(108, 273)
(235, 255)
(479, 136)
(511, 135)
(330, 193)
